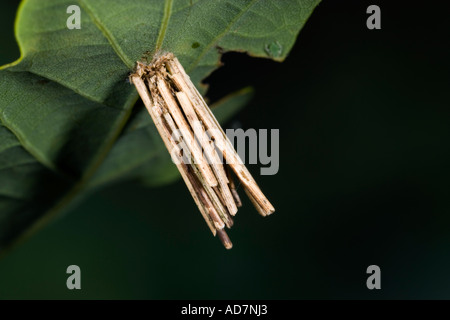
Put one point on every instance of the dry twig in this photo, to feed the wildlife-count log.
(192, 135)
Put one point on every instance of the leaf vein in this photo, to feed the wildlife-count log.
(117, 49)
(36, 155)
(164, 23)
(221, 35)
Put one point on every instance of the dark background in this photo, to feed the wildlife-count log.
(364, 179)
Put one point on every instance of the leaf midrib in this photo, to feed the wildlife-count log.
(107, 34)
(164, 23)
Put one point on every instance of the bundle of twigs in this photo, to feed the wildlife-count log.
(197, 143)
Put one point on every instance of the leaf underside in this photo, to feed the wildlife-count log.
(67, 122)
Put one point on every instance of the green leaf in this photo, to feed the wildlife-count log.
(67, 122)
